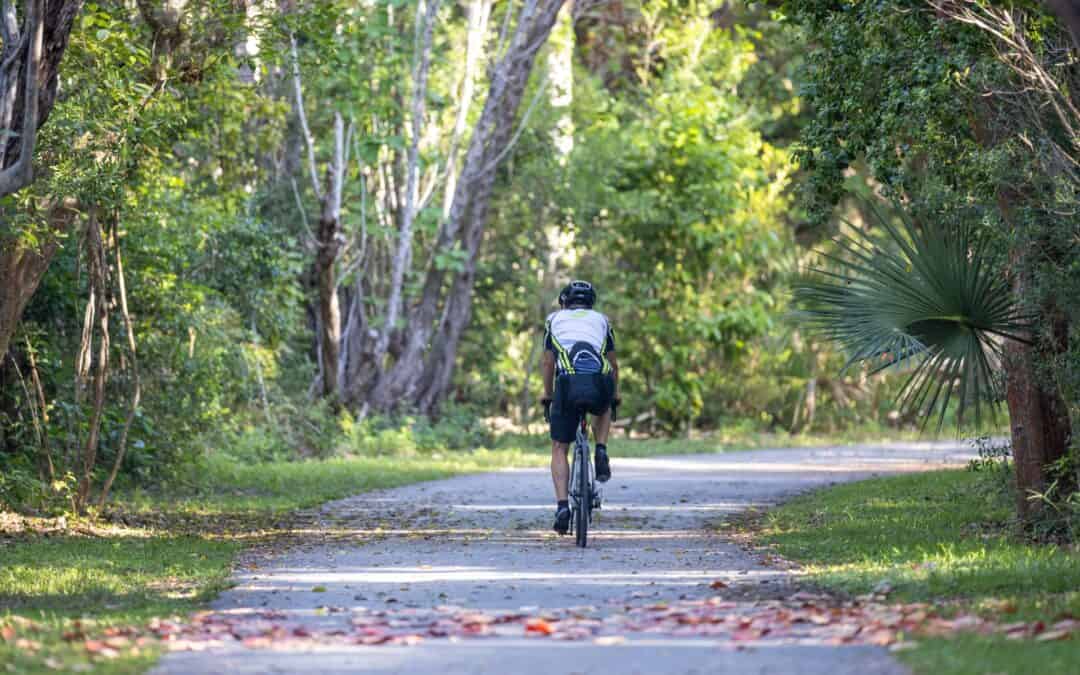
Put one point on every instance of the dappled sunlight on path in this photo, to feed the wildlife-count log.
(437, 565)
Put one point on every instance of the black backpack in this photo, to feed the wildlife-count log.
(584, 359)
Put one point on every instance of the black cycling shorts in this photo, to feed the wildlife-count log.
(574, 396)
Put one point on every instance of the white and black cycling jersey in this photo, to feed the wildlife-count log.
(581, 339)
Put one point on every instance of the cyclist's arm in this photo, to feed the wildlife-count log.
(609, 354)
(611, 359)
(547, 369)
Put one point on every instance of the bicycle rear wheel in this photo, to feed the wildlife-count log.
(585, 497)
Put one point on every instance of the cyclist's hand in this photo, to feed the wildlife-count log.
(546, 402)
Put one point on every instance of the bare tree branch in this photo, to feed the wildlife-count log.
(521, 127)
(136, 382)
(1041, 88)
(21, 173)
(298, 94)
(425, 26)
(311, 240)
(479, 13)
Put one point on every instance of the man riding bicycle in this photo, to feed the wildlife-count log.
(580, 375)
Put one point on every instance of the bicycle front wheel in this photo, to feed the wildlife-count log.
(585, 497)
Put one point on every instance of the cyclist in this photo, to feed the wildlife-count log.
(580, 374)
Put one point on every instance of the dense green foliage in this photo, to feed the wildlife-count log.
(676, 201)
(679, 156)
(933, 111)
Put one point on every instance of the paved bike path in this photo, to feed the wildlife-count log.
(483, 542)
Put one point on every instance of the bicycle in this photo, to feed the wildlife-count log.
(584, 495)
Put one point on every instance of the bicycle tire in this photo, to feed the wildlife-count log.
(581, 524)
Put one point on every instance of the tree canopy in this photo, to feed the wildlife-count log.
(271, 225)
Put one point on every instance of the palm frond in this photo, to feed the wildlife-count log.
(934, 299)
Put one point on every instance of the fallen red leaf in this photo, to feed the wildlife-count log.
(539, 626)
(748, 634)
(118, 642)
(93, 646)
(257, 642)
(882, 638)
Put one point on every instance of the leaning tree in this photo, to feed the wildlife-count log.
(35, 35)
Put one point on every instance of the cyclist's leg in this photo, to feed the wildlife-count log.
(601, 427)
(601, 430)
(560, 469)
(564, 421)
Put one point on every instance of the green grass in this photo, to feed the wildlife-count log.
(975, 654)
(227, 486)
(940, 536)
(105, 582)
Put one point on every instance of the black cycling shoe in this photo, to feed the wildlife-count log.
(562, 520)
(603, 466)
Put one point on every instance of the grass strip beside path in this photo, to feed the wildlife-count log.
(173, 554)
(941, 537)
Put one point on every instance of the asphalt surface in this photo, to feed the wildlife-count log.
(484, 542)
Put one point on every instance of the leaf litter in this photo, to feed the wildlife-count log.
(800, 617)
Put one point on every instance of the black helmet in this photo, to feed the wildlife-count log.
(577, 294)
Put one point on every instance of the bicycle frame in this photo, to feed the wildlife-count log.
(584, 496)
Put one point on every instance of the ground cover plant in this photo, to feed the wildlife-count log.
(948, 538)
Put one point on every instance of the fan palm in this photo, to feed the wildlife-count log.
(933, 299)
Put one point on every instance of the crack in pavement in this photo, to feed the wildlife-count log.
(481, 544)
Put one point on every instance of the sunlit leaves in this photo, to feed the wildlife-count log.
(686, 202)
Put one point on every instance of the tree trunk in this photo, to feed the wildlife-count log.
(99, 303)
(420, 374)
(21, 269)
(328, 245)
(1038, 415)
(133, 370)
(479, 12)
(425, 25)
(1068, 11)
(57, 20)
(329, 307)
(439, 365)
(1039, 426)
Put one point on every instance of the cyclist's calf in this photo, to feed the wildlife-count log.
(560, 469)
(601, 427)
